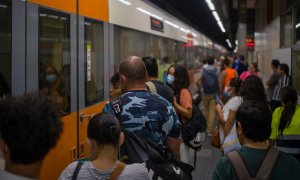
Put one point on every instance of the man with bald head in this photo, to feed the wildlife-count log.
(148, 115)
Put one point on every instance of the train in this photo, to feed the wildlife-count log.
(69, 49)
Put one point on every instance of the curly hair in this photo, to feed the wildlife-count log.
(182, 79)
(289, 97)
(104, 129)
(30, 125)
(252, 88)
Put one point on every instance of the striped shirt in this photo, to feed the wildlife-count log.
(283, 81)
(89, 172)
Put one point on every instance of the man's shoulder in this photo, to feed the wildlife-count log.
(136, 98)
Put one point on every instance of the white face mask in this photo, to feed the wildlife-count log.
(170, 79)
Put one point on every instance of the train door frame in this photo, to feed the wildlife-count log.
(295, 49)
(66, 149)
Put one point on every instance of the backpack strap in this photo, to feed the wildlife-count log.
(77, 169)
(117, 171)
(238, 165)
(268, 164)
(151, 87)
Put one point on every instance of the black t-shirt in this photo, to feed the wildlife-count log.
(163, 90)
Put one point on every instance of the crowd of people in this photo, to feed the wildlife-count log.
(254, 122)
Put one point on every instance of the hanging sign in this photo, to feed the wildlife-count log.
(156, 24)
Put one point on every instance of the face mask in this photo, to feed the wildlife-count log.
(170, 79)
(50, 78)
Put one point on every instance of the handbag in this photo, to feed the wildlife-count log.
(215, 139)
(231, 142)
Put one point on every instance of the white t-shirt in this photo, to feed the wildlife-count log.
(233, 104)
(89, 172)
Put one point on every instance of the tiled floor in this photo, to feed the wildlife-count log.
(207, 159)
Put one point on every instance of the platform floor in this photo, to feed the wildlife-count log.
(207, 159)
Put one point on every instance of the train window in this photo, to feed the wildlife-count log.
(287, 29)
(131, 42)
(5, 48)
(54, 57)
(296, 71)
(180, 52)
(153, 46)
(297, 26)
(94, 61)
(171, 49)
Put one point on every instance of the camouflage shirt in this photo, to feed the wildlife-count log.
(148, 115)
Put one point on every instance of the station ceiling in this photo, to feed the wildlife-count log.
(197, 14)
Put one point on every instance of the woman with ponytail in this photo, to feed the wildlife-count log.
(104, 137)
(286, 123)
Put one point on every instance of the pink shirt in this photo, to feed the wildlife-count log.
(245, 74)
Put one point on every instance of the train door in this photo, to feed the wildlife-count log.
(64, 58)
(52, 69)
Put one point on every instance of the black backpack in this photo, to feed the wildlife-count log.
(193, 134)
(159, 160)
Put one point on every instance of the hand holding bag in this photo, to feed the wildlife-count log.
(215, 139)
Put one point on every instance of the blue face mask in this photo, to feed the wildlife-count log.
(50, 78)
(170, 79)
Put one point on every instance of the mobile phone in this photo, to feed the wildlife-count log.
(218, 101)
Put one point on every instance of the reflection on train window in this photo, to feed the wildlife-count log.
(135, 43)
(54, 57)
(287, 29)
(297, 25)
(5, 48)
(180, 52)
(93, 45)
(296, 71)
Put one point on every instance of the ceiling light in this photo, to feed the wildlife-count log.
(155, 16)
(3, 6)
(221, 26)
(143, 11)
(297, 25)
(148, 13)
(182, 29)
(210, 5)
(216, 16)
(236, 42)
(125, 2)
(53, 16)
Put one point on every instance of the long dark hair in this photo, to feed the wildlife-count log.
(236, 84)
(289, 98)
(252, 88)
(182, 79)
